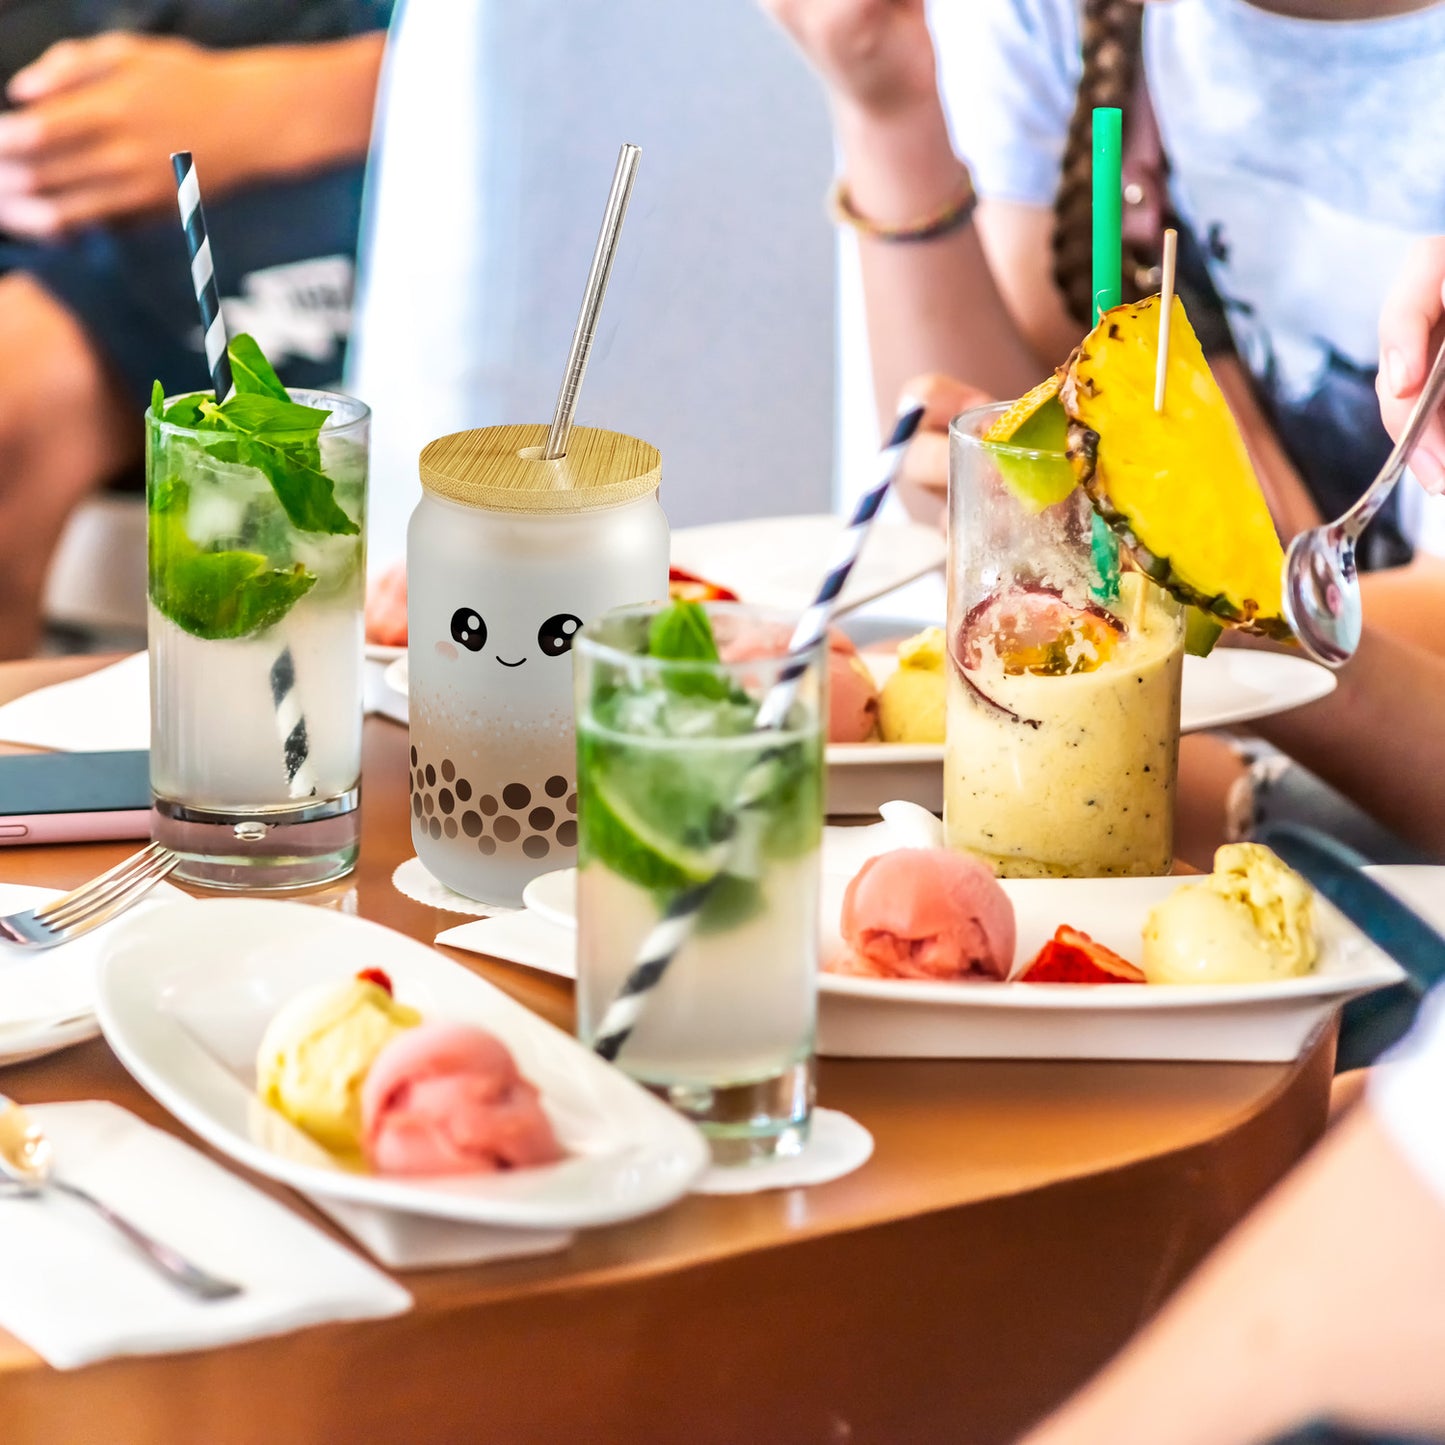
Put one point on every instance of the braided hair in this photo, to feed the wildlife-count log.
(1112, 41)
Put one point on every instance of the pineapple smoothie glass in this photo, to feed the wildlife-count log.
(1063, 675)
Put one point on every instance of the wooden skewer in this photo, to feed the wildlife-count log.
(1166, 310)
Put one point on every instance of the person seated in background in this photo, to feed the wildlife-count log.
(274, 98)
(1252, 127)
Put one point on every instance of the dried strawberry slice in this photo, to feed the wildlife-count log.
(685, 586)
(1071, 956)
(379, 977)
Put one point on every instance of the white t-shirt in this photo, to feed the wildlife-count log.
(1406, 1090)
(1305, 156)
(501, 122)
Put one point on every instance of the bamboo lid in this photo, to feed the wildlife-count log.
(501, 468)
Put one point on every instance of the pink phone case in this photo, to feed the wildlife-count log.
(101, 827)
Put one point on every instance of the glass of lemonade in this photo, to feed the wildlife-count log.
(1063, 681)
(256, 585)
(665, 749)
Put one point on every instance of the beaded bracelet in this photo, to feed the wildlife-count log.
(952, 217)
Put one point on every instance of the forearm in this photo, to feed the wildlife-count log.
(300, 108)
(931, 306)
(1409, 602)
(1325, 1303)
(1377, 736)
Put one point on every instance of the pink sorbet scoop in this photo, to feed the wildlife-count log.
(927, 913)
(451, 1101)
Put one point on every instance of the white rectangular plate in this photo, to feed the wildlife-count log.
(186, 990)
(1260, 1022)
(984, 1019)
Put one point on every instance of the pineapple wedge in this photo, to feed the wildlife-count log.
(1176, 487)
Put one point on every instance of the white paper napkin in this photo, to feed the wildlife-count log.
(102, 712)
(414, 1241)
(519, 938)
(54, 983)
(76, 1292)
(837, 1145)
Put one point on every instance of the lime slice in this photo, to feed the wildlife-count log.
(617, 837)
(1201, 632)
(1035, 422)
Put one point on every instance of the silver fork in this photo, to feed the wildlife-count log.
(92, 903)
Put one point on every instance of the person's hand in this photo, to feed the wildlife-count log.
(1412, 327)
(386, 608)
(95, 121)
(922, 483)
(877, 54)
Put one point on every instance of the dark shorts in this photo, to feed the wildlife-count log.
(283, 253)
(283, 256)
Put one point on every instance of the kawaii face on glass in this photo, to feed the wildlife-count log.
(509, 644)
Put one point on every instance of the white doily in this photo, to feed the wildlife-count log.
(412, 879)
(837, 1145)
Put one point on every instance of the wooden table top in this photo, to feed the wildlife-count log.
(1101, 1182)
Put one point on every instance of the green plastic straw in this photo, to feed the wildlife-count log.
(1108, 288)
(1108, 207)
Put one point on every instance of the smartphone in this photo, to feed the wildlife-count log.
(74, 797)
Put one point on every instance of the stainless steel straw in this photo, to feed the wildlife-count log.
(612, 218)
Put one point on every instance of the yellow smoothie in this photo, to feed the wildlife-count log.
(1069, 774)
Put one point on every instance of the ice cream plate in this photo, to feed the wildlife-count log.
(186, 991)
(1256, 1022)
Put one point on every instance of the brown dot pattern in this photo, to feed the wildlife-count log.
(515, 816)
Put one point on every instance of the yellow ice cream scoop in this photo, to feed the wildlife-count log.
(1249, 921)
(316, 1051)
(910, 705)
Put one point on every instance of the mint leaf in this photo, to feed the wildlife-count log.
(264, 416)
(216, 594)
(682, 633)
(251, 371)
(304, 490)
(279, 439)
(158, 398)
(185, 411)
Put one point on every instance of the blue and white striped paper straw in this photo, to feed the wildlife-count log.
(290, 724)
(203, 272)
(671, 932)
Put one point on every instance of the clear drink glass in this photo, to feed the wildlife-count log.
(664, 749)
(1063, 683)
(255, 632)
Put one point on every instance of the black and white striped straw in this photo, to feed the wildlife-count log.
(290, 724)
(203, 272)
(671, 932)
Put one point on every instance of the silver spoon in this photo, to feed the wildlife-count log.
(1321, 588)
(27, 1162)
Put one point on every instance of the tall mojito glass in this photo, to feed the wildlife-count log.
(256, 581)
(1064, 675)
(666, 747)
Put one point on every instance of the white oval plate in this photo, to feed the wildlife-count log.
(980, 1018)
(186, 991)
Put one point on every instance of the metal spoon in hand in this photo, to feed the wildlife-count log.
(1321, 588)
(27, 1162)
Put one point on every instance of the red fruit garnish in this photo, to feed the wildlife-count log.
(684, 586)
(1071, 956)
(1033, 629)
(377, 976)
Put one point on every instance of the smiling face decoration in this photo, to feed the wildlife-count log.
(554, 636)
